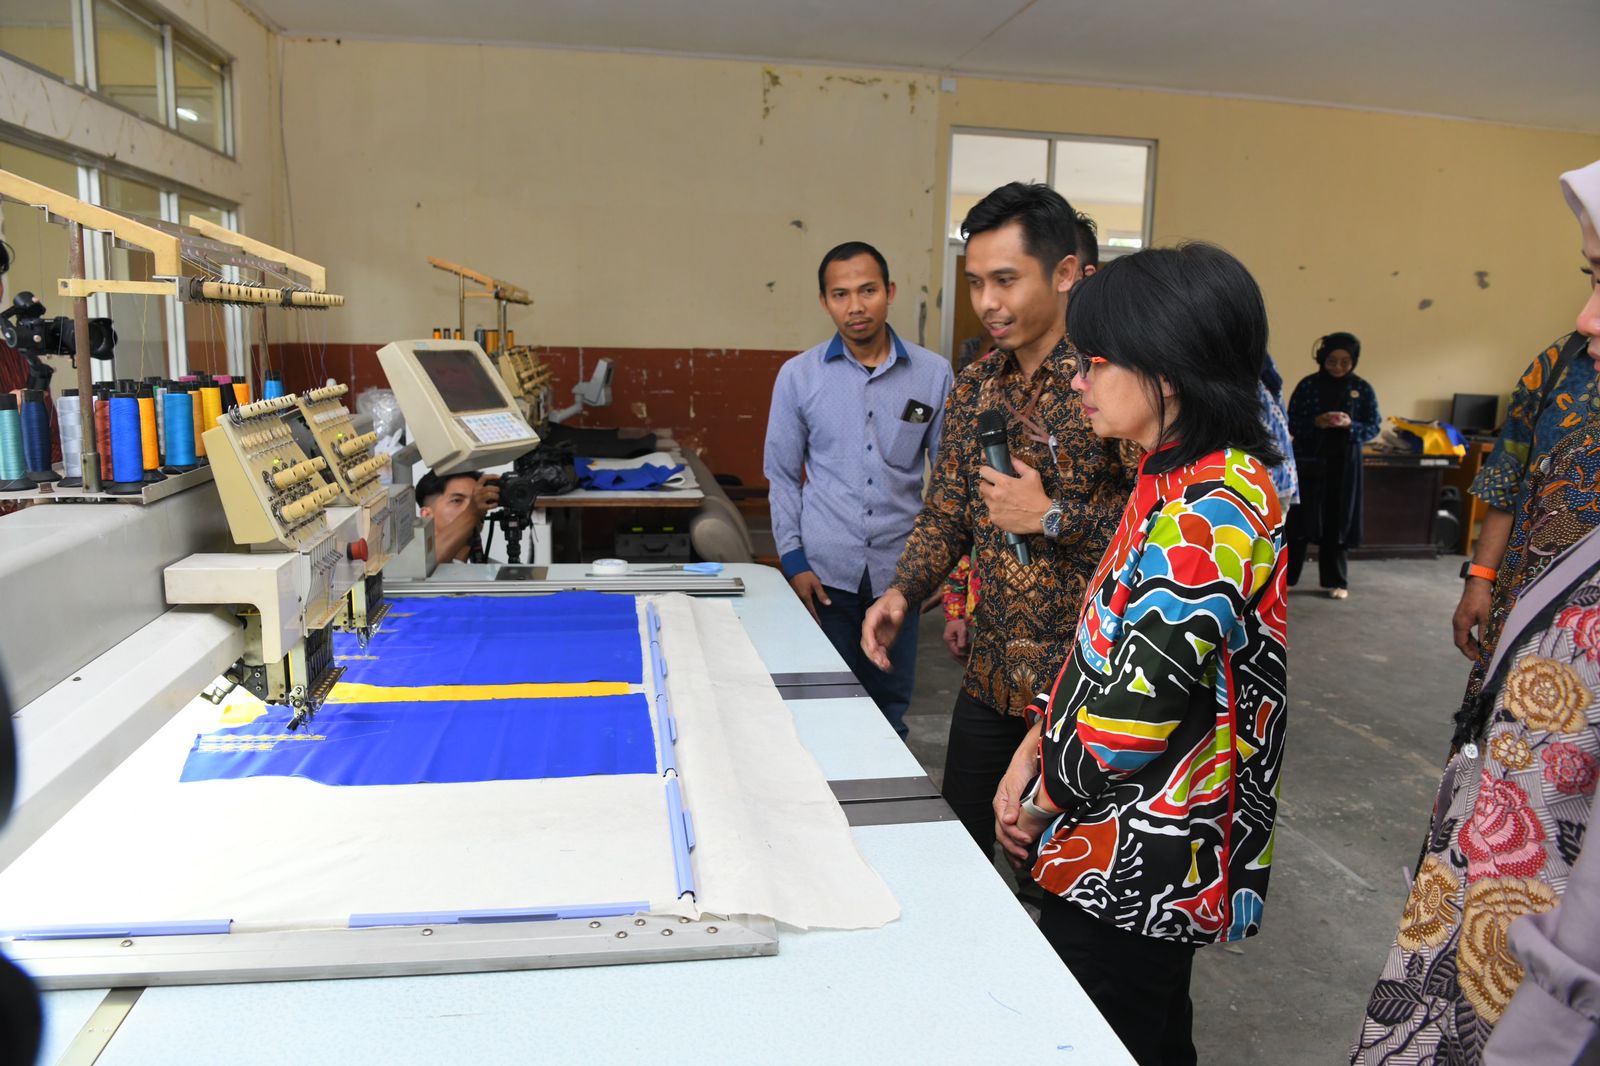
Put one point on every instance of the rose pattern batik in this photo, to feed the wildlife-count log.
(1164, 731)
(1507, 827)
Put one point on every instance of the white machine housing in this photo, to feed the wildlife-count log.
(457, 407)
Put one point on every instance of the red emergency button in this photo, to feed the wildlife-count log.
(358, 549)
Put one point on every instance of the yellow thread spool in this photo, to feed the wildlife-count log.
(147, 430)
(199, 422)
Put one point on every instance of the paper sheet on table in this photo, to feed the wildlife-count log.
(771, 838)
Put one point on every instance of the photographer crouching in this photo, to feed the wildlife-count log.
(458, 503)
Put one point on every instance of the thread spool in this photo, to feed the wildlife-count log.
(272, 387)
(179, 439)
(69, 417)
(210, 405)
(199, 414)
(149, 448)
(241, 392)
(36, 437)
(127, 453)
(13, 463)
(159, 389)
(225, 394)
(102, 425)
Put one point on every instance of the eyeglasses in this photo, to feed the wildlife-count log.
(1087, 363)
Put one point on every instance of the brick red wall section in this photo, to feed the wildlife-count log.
(714, 400)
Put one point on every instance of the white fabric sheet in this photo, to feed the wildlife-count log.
(771, 837)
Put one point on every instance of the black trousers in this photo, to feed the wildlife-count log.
(1333, 567)
(1138, 983)
(982, 741)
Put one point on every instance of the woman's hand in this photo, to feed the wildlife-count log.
(1015, 830)
(1331, 420)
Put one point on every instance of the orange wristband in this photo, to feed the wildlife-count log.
(1474, 570)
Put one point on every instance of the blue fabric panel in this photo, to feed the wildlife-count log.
(634, 479)
(409, 743)
(566, 637)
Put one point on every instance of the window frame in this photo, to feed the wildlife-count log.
(954, 245)
(174, 33)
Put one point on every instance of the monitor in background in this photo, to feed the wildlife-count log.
(456, 406)
(1474, 413)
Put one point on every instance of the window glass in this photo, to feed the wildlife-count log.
(140, 321)
(40, 32)
(199, 97)
(128, 60)
(1106, 181)
(980, 163)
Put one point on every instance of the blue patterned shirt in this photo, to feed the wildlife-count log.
(860, 436)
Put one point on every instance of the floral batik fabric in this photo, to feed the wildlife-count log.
(1544, 470)
(1507, 827)
(1164, 733)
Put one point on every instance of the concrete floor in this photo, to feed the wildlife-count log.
(1373, 681)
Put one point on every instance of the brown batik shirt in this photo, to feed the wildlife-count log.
(1026, 615)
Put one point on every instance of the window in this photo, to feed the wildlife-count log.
(1108, 180)
(140, 321)
(206, 326)
(42, 32)
(200, 88)
(129, 55)
(129, 60)
(1112, 181)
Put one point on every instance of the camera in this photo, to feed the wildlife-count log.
(24, 326)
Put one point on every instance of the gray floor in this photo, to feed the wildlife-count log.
(1373, 681)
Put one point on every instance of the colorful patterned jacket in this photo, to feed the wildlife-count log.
(1163, 736)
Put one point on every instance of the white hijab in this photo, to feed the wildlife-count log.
(1582, 190)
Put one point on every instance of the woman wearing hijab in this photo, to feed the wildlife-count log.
(1331, 415)
(1497, 959)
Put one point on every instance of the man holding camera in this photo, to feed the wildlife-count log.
(457, 504)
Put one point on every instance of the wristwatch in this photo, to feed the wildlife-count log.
(1051, 522)
(1471, 569)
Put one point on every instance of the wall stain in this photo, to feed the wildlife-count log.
(854, 79)
(1483, 278)
(772, 286)
(798, 224)
(769, 82)
(1424, 305)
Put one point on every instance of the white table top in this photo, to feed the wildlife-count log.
(956, 979)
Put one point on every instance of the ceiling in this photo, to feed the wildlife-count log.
(1528, 62)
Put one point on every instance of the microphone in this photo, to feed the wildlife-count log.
(992, 439)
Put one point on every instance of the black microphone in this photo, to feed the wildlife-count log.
(992, 439)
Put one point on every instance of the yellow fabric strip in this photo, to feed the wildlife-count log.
(349, 692)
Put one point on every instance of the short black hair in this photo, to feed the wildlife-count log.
(1194, 316)
(1335, 342)
(1049, 224)
(849, 250)
(1088, 242)
(433, 485)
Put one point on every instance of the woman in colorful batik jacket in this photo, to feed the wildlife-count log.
(1144, 801)
(1507, 839)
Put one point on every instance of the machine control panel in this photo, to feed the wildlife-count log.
(456, 404)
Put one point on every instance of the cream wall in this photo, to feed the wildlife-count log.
(1349, 220)
(645, 201)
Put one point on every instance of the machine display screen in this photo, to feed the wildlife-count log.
(462, 382)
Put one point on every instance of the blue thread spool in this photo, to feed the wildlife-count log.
(69, 416)
(36, 437)
(127, 450)
(272, 387)
(13, 464)
(179, 446)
